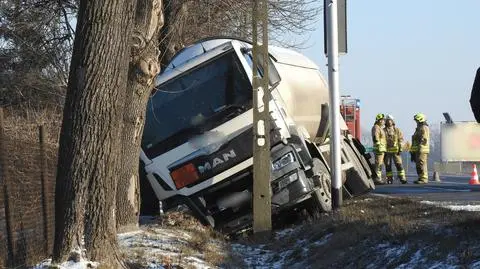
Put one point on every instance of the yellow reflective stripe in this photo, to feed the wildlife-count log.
(389, 174)
(424, 149)
(380, 148)
(401, 172)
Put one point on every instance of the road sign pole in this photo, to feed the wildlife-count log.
(262, 210)
(333, 84)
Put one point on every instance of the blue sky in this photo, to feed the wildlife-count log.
(408, 56)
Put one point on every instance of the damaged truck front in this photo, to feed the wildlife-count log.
(197, 145)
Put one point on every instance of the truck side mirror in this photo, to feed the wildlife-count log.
(274, 76)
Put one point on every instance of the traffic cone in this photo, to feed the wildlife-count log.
(436, 176)
(474, 178)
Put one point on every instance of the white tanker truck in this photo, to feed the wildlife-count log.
(197, 146)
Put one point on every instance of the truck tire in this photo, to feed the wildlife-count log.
(321, 196)
(358, 182)
(364, 160)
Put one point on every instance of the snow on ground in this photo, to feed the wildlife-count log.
(158, 247)
(179, 243)
(452, 206)
(387, 255)
(47, 264)
(262, 256)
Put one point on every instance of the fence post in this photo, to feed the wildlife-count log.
(4, 180)
(43, 175)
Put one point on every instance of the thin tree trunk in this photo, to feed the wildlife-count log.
(90, 137)
(144, 66)
(171, 34)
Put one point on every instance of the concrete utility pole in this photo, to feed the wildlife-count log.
(333, 84)
(262, 210)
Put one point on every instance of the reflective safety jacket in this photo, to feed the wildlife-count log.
(421, 139)
(394, 139)
(379, 139)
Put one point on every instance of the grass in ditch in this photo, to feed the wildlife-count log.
(383, 233)
(371, 231)
(175, 240)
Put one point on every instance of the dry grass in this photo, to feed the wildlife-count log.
(192, 240)
(23, 124)
(204, 239)
(366, 229)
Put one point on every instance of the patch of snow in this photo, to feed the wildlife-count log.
(388, 253)
(452, 259)
(280, 234)
(324, 240)
(156, 243)
(454, 207)
(67, 265)
(381, 246)
(155, 266)
(395, 252)
(475, 264)
(441, 265)
(159, 241)
(262, 257)
(416, 259)
(153, 244)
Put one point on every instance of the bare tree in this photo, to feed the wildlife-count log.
(35, 48)
(90, 140)
(144, 66)
(36, 38)
(187, 21)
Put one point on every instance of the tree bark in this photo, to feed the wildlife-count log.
(90, 136)
(171, 35)
(144, 66)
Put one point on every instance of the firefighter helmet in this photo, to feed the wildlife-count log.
(389, 117)
(420, 117)
(379, 116)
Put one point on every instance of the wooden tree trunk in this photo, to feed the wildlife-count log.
(172, 34)
(90, 136)
(144, 66)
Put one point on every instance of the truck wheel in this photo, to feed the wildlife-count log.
(321, 196)
(358, 149)
(358, 182)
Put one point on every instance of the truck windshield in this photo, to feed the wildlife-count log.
(195, 101)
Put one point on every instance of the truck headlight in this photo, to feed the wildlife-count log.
(283, 161)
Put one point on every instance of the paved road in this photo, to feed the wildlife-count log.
(451, 188)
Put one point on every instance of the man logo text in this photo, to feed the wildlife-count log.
(226, 157)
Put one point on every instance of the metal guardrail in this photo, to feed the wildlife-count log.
(453, 168)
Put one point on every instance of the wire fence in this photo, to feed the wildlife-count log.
(27, 181)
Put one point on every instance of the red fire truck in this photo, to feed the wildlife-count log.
(350, 110)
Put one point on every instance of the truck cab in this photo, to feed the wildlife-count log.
(197, 146)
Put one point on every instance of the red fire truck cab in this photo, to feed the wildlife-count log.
(350, 110)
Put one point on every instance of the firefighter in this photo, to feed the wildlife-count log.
(394, 149)
(420, 148)
(379, 146)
